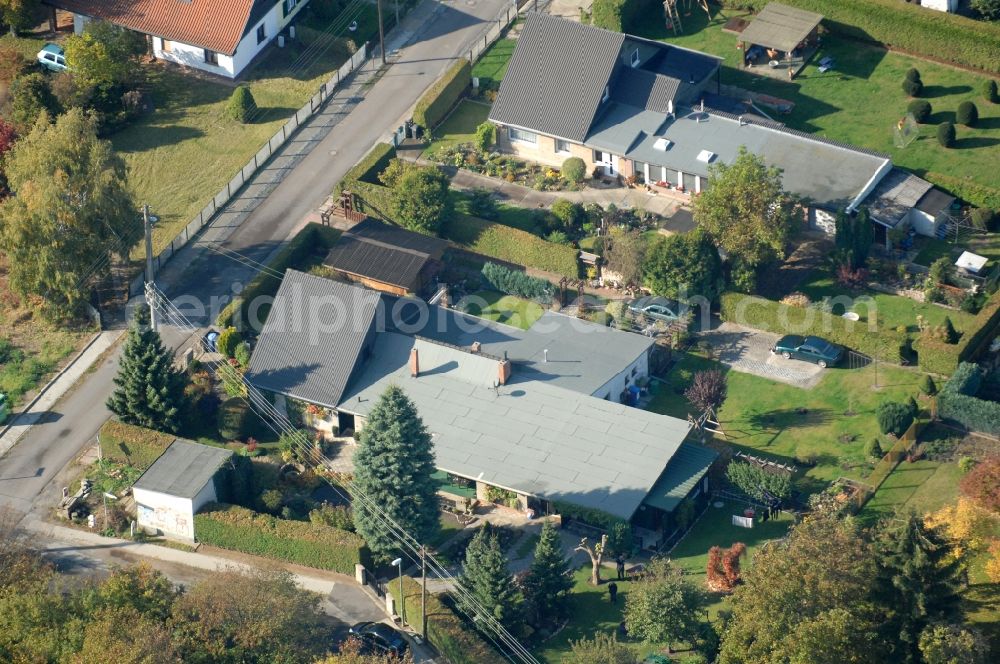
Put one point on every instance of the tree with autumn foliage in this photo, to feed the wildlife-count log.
(723, 567)
(707, 390)
(968, 527)
(982, 484)
(7, 137)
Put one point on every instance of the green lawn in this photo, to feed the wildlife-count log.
(460, 126)
(931, 249)
(186, 150)
(923, 486)
(860, 100)
(506, 309)
(761, 416)
(525, 219)
(492, 66)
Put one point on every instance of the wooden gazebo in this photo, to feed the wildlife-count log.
(780, 36)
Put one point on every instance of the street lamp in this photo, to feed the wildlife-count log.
(398, 563)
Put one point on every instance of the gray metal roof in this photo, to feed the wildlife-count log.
(780, 26)
(645, 89)
(313, 338)
(556, 77)
(530, 435)
(183, 469)
(685, 470)
(623, 126)
(383, 252)
(896, 195)
(830, 175)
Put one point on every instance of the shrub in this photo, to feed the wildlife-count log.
(574, 170)
(482, 204)
(967, 114)
(229, 338)
(912, 74)
(234, 419)
(242, 354)
(927, 386)
(946, 134)
(921, 110)
(950, 333)
(337, 516)
(912, 88)
(990, 91)
(982, 218)
(242, 107)
(557, 237)
(272, 500)
(707, 390)
(569, 214)
(516, 283)
(486, 136)
(313, 545)
(873, 450)
(588, 515)
(893, 418)
(439, 99)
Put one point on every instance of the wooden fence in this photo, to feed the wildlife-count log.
(899, 451)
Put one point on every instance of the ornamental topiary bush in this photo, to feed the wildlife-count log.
(893, 418)
(574, 170)
(946, 134)
(990, 91)
(227, 342)
(921, 110)
(967, 114)
(912, 74)
(873, 450)
(242, 106)
(912, 88)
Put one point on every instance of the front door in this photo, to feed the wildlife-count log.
(607, 161)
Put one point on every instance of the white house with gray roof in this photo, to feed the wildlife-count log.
(538, 412)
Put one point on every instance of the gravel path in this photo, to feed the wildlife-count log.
(748, 350)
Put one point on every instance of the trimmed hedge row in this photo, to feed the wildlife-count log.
(957, 402)
(132, 445)
(373, 198)
(588, 515)
(938, 357)
(762, 314)
(299, 542)
(310, 239)
(980, 195)
(512, 282)
(909, 27)
(511, 245)
(434, 105)
(459, 643)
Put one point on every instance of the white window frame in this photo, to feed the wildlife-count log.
(562, 147)
(211, 57)
(288, 6)
(635, 58)
(522, 136)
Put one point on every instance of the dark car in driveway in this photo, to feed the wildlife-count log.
(811, 349)
(380, 638)
(656, 308)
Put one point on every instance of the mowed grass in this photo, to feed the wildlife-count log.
(460, 126)
(861, 99)
(506, 309)
(761, 416)
(492, 66)
(922, 486)
(184, 152)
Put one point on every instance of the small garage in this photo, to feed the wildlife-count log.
(902, 200)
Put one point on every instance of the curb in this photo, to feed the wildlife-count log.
(14, 418)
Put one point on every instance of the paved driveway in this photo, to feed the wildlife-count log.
(748, 350)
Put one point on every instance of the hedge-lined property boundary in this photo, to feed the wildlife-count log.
(313, 237)
(771, 316)
(511, 245)
(373, 198)
(447, 632)
(908, 27)
(434, 104)
(310, 544)
(936, 356)
(957, 401)
(979, 195)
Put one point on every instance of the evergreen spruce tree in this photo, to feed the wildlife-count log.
(950, 333)
(149, 392)
(487, 579)
(547, 584)
(927, 386)
(393, 467)
(918, 583)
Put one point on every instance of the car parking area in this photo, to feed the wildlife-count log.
(748, 350)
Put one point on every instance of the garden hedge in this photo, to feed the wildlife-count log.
(957, 401)
(513, 282)
(938, 357)
(368, 169)
(512, 245)
(439, 99)
(980, 195)
(778, 318)
(457, 641)
(314, 237)
(909, 27)
(313, 545)
(132, 445)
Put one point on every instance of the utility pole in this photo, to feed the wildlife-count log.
(381, 31)
(423, 593)
(150, 284)
(397, 12)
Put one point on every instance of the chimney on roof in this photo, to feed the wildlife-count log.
(545, 355)
(503, 370)
(414, 363)
(476, 347)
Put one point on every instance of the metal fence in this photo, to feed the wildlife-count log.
(500, 24)
(245, 174)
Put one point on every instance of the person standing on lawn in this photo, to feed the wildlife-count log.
(620, 562)
(613, 591)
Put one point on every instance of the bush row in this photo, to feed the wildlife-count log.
(312, 238)
(588, 515)
(517, 283)
(980, 195)
(132, 445)
(939, 357)
(299, 542)
(511, 245)
(957, 402)
(434, 105)
(895, 24)
(780, 318)
(459, 643)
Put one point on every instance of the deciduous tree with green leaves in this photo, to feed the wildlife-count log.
(602, 649)
(547, 584)
(747, 213)
(953, 644)
(487, 579)
(105, 55)
(664, 607)
(18, 14)
(625, 254)
(30, 99)
(684, 265)
(71, 208)
(422, 202)
(392, 468)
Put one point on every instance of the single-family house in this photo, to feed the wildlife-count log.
(217, 36)
(540, 412)
(176, 486)
(941, 5)
(386, 257)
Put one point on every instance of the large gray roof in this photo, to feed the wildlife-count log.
(556, 77)
(895, 195)
(646, 89)
(530, 436)
(313, 338)
(183, 469)
(376, 250)
(780, 26)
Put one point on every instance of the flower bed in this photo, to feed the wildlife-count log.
(498, 165)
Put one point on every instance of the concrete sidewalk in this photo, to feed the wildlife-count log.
(57, 387)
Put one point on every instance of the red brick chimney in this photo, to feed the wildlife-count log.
(414, 363)
(503, 371)
(476, 347)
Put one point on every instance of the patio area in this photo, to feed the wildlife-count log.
(779, 41)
